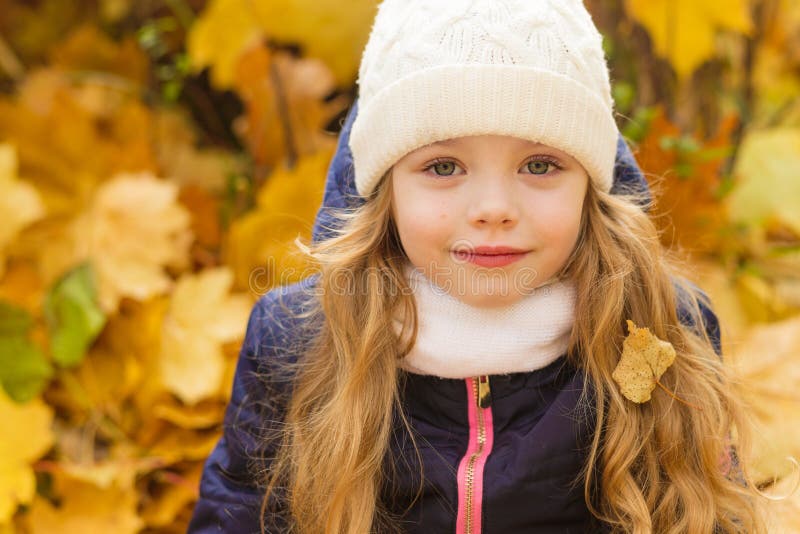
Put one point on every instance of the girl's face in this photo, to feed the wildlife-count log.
(456, 202)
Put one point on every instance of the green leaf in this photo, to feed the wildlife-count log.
(73, 315)
(24, 370)
(13, 320)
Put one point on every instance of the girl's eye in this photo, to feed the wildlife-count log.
(443, 168)
(538, 166)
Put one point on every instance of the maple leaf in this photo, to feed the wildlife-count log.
(201, 317)
(261, 248)
(218, 36)
(25, 435)
(322, 28)
(286, 106)
(683, 30)
(175, 490)
(776, 62)
(766, 359)
(183, 161)
(20, 203)
(134, 228)
(86, 507)
(24, 370)
(644, 359)
(73, 315)
(227, 27)
(768, 190)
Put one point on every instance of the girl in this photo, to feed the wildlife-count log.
(482, 244)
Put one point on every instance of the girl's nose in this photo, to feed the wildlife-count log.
(494, 205)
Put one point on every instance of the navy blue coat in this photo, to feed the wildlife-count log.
(534, 449)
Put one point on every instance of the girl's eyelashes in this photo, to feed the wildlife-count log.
(538, 165)
(542, 165)
(446, 166)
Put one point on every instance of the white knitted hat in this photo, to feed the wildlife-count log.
(439, 69)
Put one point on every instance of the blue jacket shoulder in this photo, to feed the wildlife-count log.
(701, 316)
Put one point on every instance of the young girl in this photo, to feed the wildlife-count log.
(482, 245)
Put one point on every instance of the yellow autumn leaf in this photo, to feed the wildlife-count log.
(25, 435)
(261, 248)
(644, 359)
(286, 106)
(20, 203)
(783, 513)
(767, 361)
(88, 48)
(219, 35)
(173, 445)
(683, 31)
(133, 230)
(227, 27)
(108, 378)
(182, 161)
(777, 58)
(85, 507)
(204, 414)
(768, 171)
(174, 492)
(323, 28)
(202, 316)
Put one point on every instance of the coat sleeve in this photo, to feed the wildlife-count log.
(230, 490)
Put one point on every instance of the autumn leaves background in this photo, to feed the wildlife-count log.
(158, 158)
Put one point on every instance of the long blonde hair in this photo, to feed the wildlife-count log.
(653, 467)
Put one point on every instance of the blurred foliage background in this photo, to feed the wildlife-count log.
(158, 158)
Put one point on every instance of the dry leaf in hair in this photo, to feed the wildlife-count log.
(644, 359)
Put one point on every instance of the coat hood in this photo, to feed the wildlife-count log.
(340, 188)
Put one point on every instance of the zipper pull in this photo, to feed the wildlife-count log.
(484, 392)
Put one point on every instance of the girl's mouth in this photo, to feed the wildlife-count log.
(488, 260)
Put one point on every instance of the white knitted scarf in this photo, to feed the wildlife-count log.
(457, 340)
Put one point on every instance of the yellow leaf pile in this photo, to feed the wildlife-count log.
(644, 359)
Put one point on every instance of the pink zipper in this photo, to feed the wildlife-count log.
(470, 469)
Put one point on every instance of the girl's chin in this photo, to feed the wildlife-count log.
(490, 299)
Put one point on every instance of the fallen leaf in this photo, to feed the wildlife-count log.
(227, 27)
(218, 36)
(20, 203)
(202, 316)
(85, 507)
(172, 493)
(644, 359)
(766, 359)
(24, 370)
(768, 188)
(286, 109)
(25, 435)
(134, 229)
(261, 248)
(73, 315)
(683, 31)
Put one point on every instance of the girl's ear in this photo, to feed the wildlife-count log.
(628, 177)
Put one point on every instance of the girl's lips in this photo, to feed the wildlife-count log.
(489, 260)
